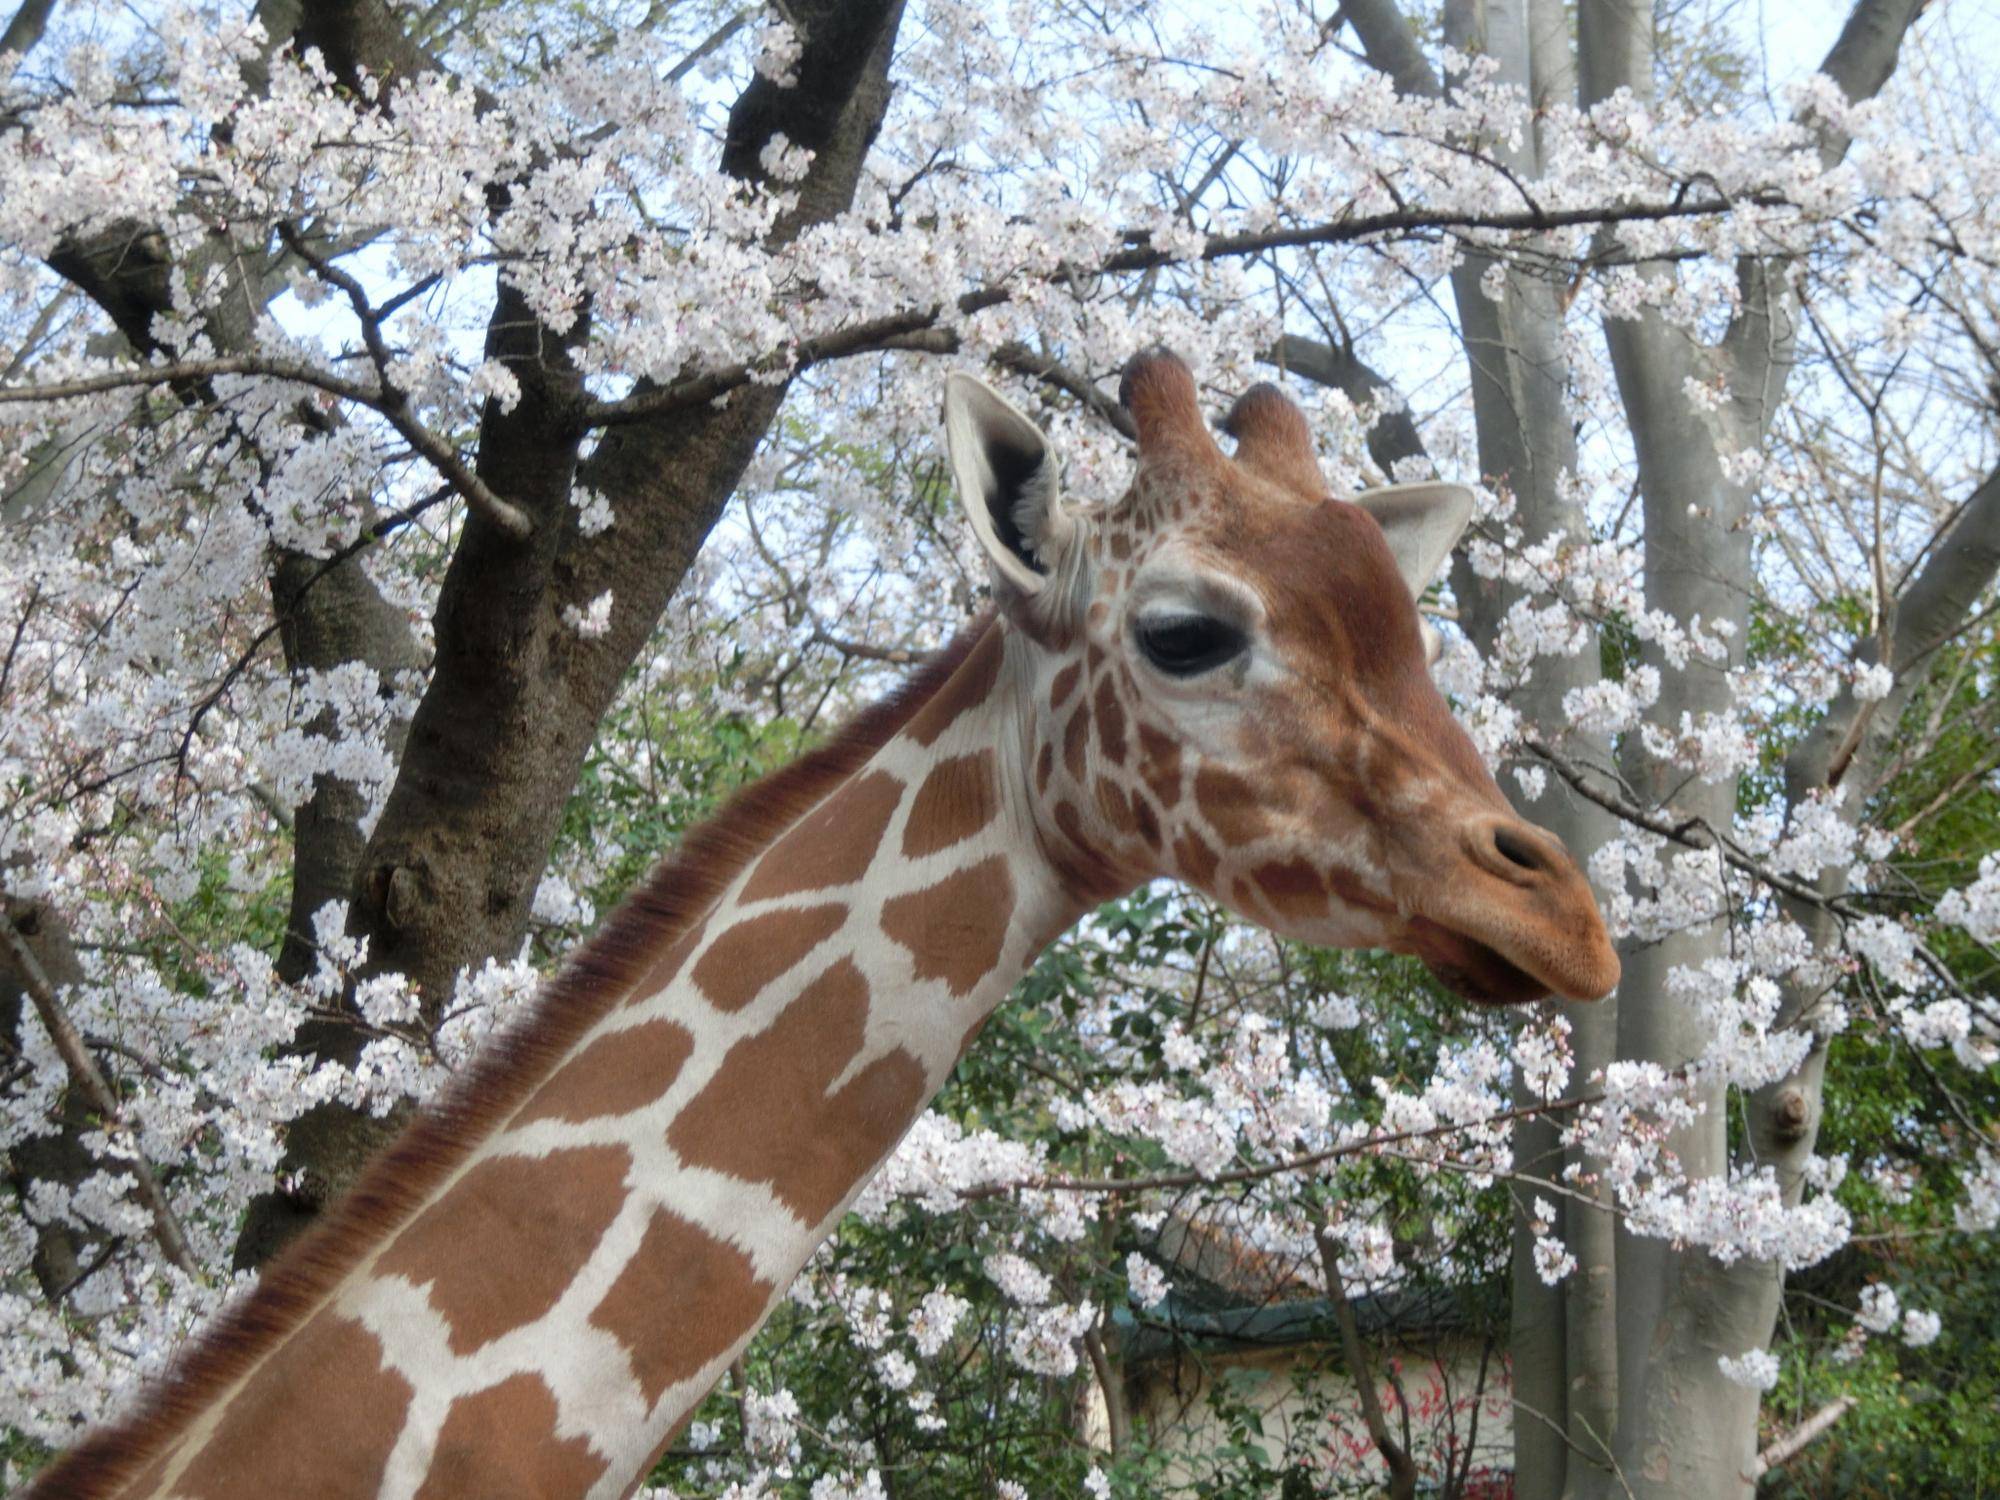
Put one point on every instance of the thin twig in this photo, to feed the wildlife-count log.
(394, 403)
(1402, 1472)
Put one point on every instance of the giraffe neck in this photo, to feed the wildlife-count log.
(556, 1308)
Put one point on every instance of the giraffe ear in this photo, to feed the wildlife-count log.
(1422, 522)
(1006, 478)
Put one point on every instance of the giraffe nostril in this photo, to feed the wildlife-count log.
(1516, 849)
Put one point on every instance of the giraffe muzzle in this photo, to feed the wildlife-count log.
(1516, 921)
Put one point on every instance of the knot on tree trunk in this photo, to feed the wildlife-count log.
(403, 890)
(1791, 1113)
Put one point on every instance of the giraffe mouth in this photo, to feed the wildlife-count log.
(1473, 970)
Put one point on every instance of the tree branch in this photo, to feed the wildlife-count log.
(1394, 437)
(1801, 1437)
(895, 330)
(1926, 615)
(26, 29)
(1169, 1181)
(1391, 47)
(1117, 1414)
(84, 1074)
(1402, 1472)
(392, 405)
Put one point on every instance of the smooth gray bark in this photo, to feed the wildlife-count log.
(1616, 1372)
(1684, 1429)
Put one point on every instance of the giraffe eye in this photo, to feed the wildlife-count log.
(1187, 645)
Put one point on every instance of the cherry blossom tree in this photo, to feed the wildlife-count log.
(443, 448)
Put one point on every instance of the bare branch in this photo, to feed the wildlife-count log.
(1024, 361)
(177, 372)
(1801, 1437)
(394, 402)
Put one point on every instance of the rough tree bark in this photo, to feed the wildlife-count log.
(63, 1253)
(515, 696)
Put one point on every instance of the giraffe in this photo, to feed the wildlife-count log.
(1222, 678)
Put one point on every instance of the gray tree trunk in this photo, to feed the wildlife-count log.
(1615, 1377)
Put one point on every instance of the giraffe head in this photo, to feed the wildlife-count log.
(1226, 681)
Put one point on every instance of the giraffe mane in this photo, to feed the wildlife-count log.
(497, 1081)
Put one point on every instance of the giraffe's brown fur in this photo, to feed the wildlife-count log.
(682, 1278)
(771, 1114)
(508, 1429)
(508, 1068)
(555, 1208)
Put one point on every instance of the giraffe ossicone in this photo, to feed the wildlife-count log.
(1222, 678)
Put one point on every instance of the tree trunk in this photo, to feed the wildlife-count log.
(449, 875)
(1685, 1429)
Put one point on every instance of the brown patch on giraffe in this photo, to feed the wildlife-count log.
(831, 846)
(1353, 891)
(758, 950)
(1121, 545)
(1064, 684)
(503, 1441)
(1147, 820)
(1075, 741)
(1244, 896)
(682, 1300)
(1070, 821)
(957, 799)
(766, 1115)
(1292, 888)
(1093, 655)
(1045, 766)
(956, 928)
(967, 688)
(1230, 804)
(1110, 720)
(321, 1421)
(1160, 763)
(1086, 873)
(1196, 859)
(620, 1072)
(631, 943)
(1113, 803)
(549, 1210)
